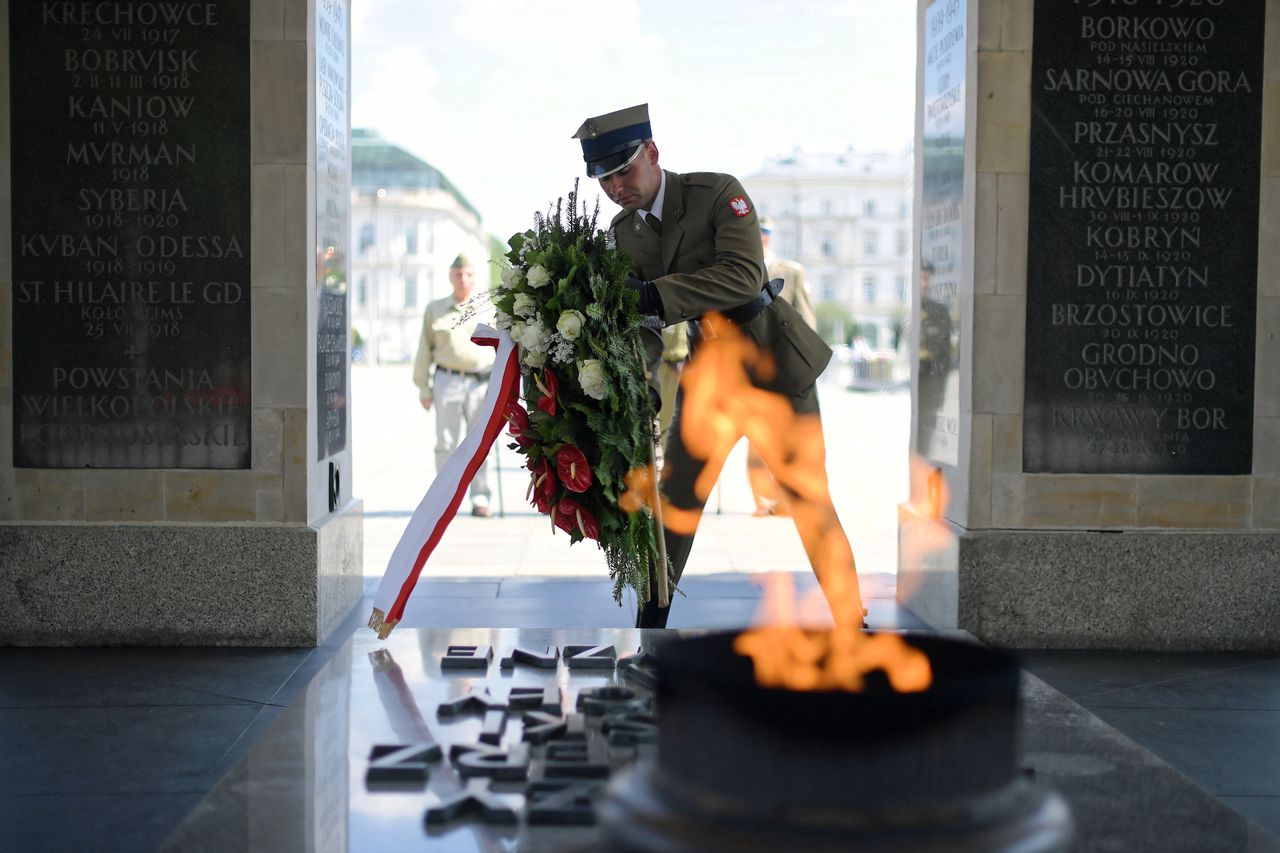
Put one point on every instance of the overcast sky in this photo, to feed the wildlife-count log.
(491, 92)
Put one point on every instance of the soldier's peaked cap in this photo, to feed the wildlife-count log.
(612, 141)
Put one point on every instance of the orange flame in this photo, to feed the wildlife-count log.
(929, 493)
(721, 406)
(795, 658)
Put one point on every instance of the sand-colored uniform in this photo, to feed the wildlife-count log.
(706, 256)
(452, 373)
(795, 286)
(766, 492)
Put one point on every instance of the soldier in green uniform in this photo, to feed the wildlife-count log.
(695, 241)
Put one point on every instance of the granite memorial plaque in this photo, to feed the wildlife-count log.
(1143, 233)
(942, 250)
(333, 203)
(131, 212)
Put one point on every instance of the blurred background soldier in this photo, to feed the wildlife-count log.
(769, 498)
(935, 352)
(457, 385)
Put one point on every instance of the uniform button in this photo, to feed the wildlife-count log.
(786, 322)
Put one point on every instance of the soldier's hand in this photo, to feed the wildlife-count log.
(426, 405)
(650, 299)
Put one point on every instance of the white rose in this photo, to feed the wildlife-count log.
(532, 358)
(591, 378)
(510, 277)
(524, 305)
(538, 276)
(570, 325)
(501, 320)
(517, 330)
(535, 337)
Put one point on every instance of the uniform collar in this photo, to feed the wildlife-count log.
(658, 199)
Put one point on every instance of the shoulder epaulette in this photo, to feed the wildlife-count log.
(702, 179)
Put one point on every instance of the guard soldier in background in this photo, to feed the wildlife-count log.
(695, 241)
(457, 386)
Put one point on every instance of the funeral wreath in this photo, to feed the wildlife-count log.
(583, 421)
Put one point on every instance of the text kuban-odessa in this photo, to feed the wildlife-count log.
(84, 246)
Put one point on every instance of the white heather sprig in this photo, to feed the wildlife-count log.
(561, 350)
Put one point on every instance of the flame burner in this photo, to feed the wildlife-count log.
(747, 768)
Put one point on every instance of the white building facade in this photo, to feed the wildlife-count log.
(408, 223)
(847, 219)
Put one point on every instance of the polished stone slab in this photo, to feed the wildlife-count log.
(303, 785)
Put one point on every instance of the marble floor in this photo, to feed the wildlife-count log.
(108, 749)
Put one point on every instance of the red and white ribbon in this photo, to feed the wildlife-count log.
(440, 504)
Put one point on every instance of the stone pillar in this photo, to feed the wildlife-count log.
(174, 455)
(1061, 521)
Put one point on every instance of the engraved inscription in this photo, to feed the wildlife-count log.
(1142, 239)
(130, 227)
(333, 201)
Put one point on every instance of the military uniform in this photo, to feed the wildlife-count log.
(452, 373)
(702, 255)
(707, 258)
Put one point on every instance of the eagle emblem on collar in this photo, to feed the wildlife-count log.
(739, 205)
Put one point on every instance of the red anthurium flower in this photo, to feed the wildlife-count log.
(540, 502)
(543, 481)
(548, 385)
(572, 516)
(571, 466)
(517, 419)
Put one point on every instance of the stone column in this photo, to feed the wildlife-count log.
(1067, 543)
(182, 477)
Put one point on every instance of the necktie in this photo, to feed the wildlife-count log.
(654, 222)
